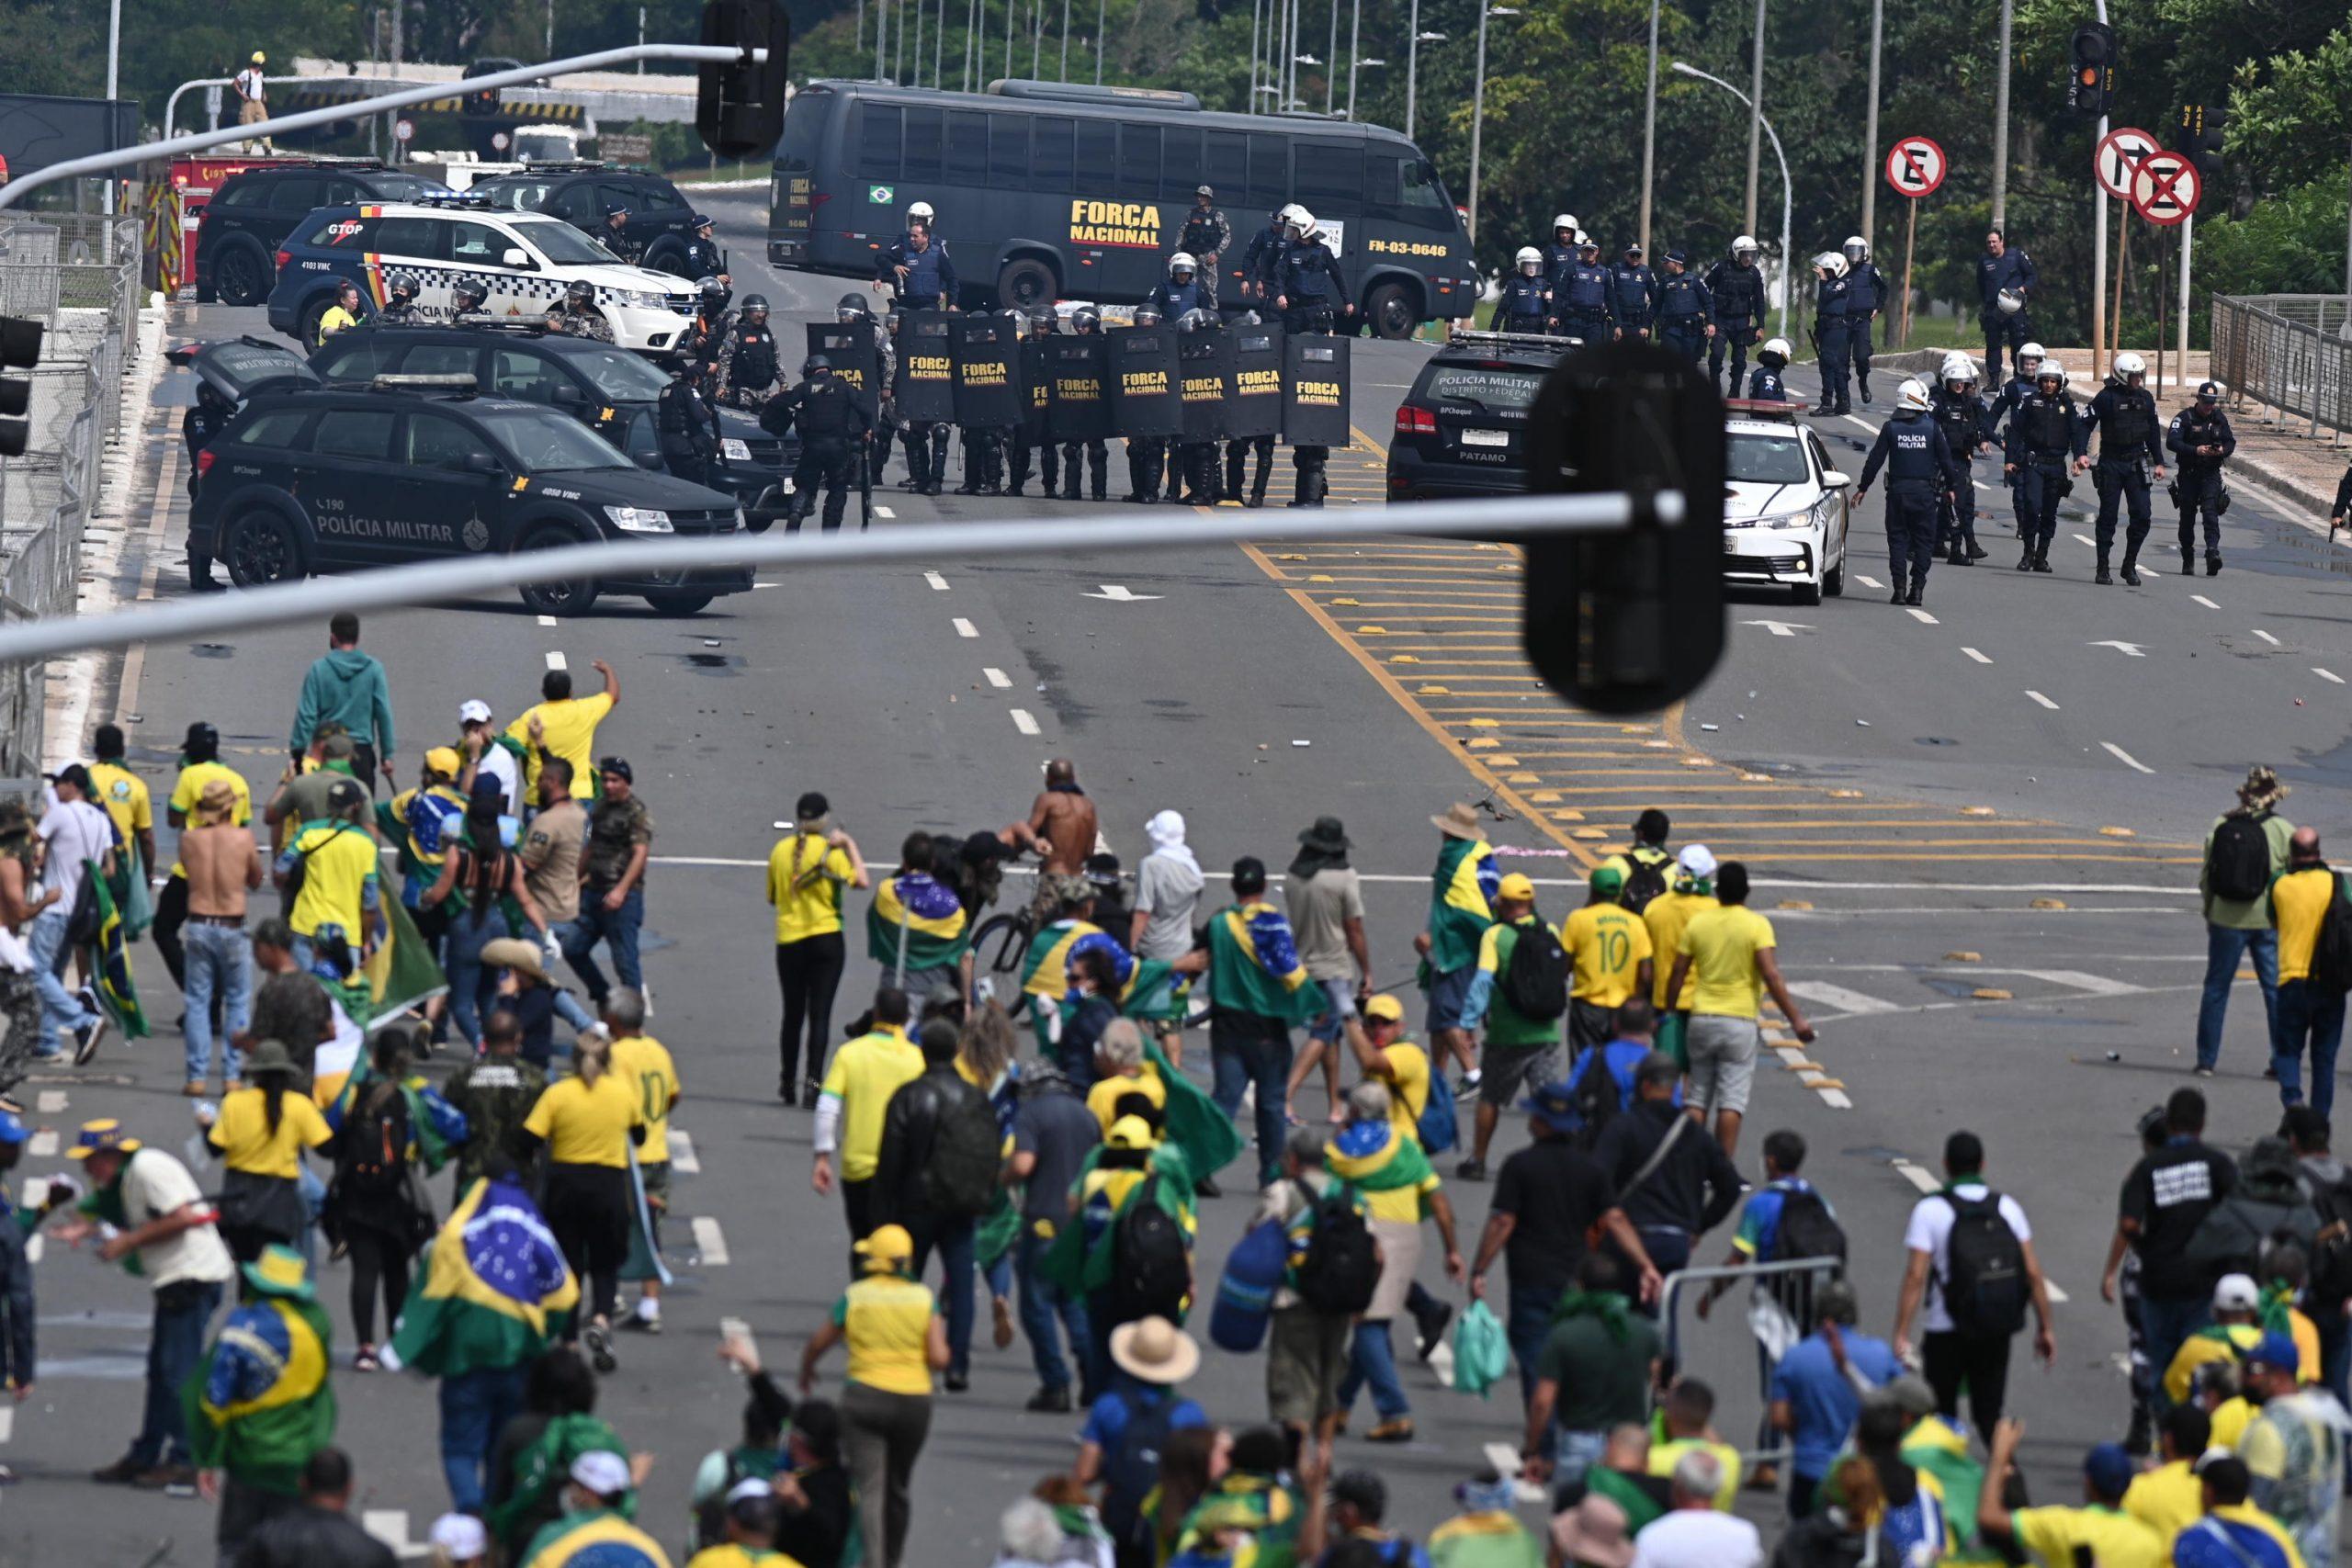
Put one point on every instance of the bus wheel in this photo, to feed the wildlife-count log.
(1390, 309)
(1026, 285)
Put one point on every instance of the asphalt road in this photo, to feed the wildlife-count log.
(1904, 794)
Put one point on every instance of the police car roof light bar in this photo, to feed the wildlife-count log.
(1542, 342)
(459, 383)
(1762, 408)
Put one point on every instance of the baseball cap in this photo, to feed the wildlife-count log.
(1517, 885)
(1384, 1007)
(2109, 1470)
(460, 1536)
(1554, 1105)
(444, 761)
(750, 1487)
(473, 710)
(1607, 881)
(2236, 1292)
(12, 1128)
(601, 1471)
(618, 767)
(1698, 860)
(344, 794)
(2277, 1352)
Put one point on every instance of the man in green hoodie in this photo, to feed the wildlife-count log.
(347, 687)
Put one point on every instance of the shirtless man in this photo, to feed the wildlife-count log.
(1061, 828)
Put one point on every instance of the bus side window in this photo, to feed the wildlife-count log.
(967, 149)
(1227, 168)
(1424, 199)
(1330, 176)
(1179, 169)
(878, 141)
(1098, 145)
(1268, 171)
(1009, 165)
(1138, 158)
(925, 128)
(1053, 156)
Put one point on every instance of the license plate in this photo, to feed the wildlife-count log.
(736, 451)
(1485, 438)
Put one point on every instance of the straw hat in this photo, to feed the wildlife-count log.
(1459, 820)
(1155, 1350)
(512, 952)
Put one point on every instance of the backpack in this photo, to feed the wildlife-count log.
(1439, 1127)
(960, 1176)
(1535, 984)
(1151, 1267)
(710, 1518)
(1984, 1282)
(2332, 948)
(2331, 1259)
(375, 1142)
(2237, 863)
(1131, 1474)
(1599, 1097)
(1644, 879)
(1245, 1292)
(1342, 1269)
(1806, 1229)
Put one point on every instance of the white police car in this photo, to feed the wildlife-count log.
(1785, 507)
(525, 260)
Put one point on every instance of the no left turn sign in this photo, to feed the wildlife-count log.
(2119, 157)
(1915, 167)
(2165, 189)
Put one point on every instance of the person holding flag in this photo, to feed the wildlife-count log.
(424, 825)
(1258, 992)
(1462, 906)
(261, 1405)
(495, 1291)
(1386, 1168)
(390, 1129)
(916, 927)
(1045, 968)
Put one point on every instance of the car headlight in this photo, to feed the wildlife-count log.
(636, 299)
(1802, 519)
(734, 450)
(639, 520)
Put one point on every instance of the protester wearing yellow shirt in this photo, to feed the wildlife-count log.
(565, 725)
(338, 863)
(644, 1064)
(897, 1339)
(751, 1520)
(850, 1105)
(1686, 1413)
(2311, 1014)
(260, 1135)
(2235, 1331)
(2099, 1530)
(807, 875)
(2170, 1498)
(123, 793)
(588, 1121)
(1692, 891)
(1609, 946)
(1727, 954)
(1118, 1056)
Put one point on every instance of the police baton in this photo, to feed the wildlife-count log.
(865, 460)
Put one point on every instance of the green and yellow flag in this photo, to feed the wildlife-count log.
(109, 956)
(937, 930)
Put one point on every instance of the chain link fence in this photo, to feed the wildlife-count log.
(78, 276)
(2290, 352)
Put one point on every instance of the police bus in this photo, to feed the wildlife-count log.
(1048, 190)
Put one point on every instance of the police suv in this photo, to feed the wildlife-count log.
(525, 259)
(1785, 507)
(1462, 429)
(307, 480)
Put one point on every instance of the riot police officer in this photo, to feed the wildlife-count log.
(1260, 259)
(1310, 460)
(1919, 471)
(1685, 309)
(1207, 236)
(2201, 438)
(851, 311)
(687, 425)
(467, 297)
(576, 315)
(1633, 294)
(1195, 462)
(983, 446)
(703, 257)
(749, 363)
(1237, 450)
(198, 427)
(926, 440)
(2013, 392)
(2124, 415)
(1865, 297)
(918, 270)
(1049, 456)
(2005, 282)
(1967, 425)
(1737, 285)
(1311, 295)
(400, 301)
(1085, 323)
(1526, 303)
(617, 236)
(705, 339)
(1765, 385)
(2045, 434)
(1561, 254)
(833, 428)
(920, 216)
(1580, 297)
(1180, 292)
(1830, 331)
(1146, 455)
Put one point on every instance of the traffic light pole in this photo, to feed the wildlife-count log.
(2099, 347)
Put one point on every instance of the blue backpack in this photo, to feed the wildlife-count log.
(1438, 1127)
(1245, 1292)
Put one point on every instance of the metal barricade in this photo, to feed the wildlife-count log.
(2289, 352)
(1779, 1313)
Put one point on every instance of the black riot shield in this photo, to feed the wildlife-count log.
(1037, 390)
(1143, 376)
(850, 350)
(1314, 391)
(926, 389)
(1256, 406)
(987, 367)
(1076, 408)
(1206, 357)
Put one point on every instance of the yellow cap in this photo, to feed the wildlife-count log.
(445, 760)
(1131, 1132)
(1386, 1008)
(259, 58)
(885, 1246)
(1516, 886)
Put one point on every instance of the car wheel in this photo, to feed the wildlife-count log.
(670, 259)
(1026, 285)
(1807, 593)
(1390, 309)
(241, 276)
(307, 320)
(680, 604)
(260, 547)
(1833, 581)
(570, 597)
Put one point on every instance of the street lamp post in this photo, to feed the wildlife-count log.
(1755, 99)
(2001, 135)
(1649, 131)
(1869, 130)
(1478, 107)
(1412, 69)
(1331, 54)
(1788, 259)
(1355, 45)
(1355, 65)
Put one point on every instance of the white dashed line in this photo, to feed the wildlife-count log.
(998, 678)
(2202, 600)
(1976, 656)
(2265, 636)
(2087, 540)
(2128, 761)
(546, 620)
(710, 1241)
(1918, 1176)
(8, 1422)
(1023, 722)
(1868, 581)
(42, 1144)
(1921, 615)
(2330, 676)
(52, 1102)
(966, 629)
(1838, 999)
(1836, 1098)
(1858, 419)
(938, 583)
(2057, 1296)
(683, 1159)
(2045, 702)
(884, 512)
(555, 660)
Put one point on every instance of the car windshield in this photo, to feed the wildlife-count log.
(1491, 387)
(513, 194)
(622, 377)
(564, 245)
(1775, 459)
(541, 442)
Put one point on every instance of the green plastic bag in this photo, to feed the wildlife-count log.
(1481, 1351)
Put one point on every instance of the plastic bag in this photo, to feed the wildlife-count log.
(1481, 1351)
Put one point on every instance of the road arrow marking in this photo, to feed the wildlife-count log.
(1780, 629)
(1118, 594)
(2129, 649)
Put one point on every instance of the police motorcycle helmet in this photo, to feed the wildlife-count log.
(920, 212)
(1181, 266)
(468, 294)
(1744, 245)
(1912, 396)
(580, 293)
(403, 287)
(1958, 373)
(1774, 354)
(1831, 264)
(2011, 301)
(847, 309)
(816, 364)
(2127, 370)
(756, 305)
(2050, 370)
(2030, 351)
(1857, 249)
(1530, 260)
(1564, 220)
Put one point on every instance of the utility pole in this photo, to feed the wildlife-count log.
(1064, 73)
(1413, 63)
(1355, 50)
(398, 20)
(1869, 130)
(1257, 14)
(1755, 121)
(1331, 62)
(2001, 134)
(1649, 133)
(1098, 6)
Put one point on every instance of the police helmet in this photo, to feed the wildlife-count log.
(852, 308)
(615, 210)
(1084, 321)
(403, 284)
(1744, 245)
(1181, 263)
(1193, 319)
(2209, 393)
(816, 364)
(755, 302)
(710, 289)
(1831, 263)
(1776, 348)
(2050, 370)
(705, 220)
(2011, 301)
(1958, 368)
(919, 212)
(580, 291)
(1564, 220)
(1204, 190)
(2032, 351)
(468, 294)
(894, 320)
(1146, 316)
(2125, 367)
(1530, 260)
(1912, 396)
(1042, 322)
(1856, 248)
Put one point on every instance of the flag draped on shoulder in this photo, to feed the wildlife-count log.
(435, 1127)
(260, 1404)
(1462, 902)
(1193, 1122)
(937, 930)
(400, 973)
(109, 955)
(496, 1290)
(1369, 1157)
(1254, 966)
(1045, 969)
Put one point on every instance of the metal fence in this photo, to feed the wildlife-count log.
(2289, 352)
(78, 276)
(1777, 1314)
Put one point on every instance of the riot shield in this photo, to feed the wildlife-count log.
(1077, 409)
(1314, 391)
(1143, 375)
(926, 388)
(988, 387)
(850, 349)
(1037, 390)
(1205, 355)
(1256, 406)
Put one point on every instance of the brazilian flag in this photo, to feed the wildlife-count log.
(494, 1291)
(437, 1128)
(1462, 898)
(937, 930)
(1045, 968)
(1254, 966)
(1191, 1121)
(400, 973)
(1154, 992)
(108, 953)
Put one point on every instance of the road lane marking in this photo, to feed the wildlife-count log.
(2202, 600)
(2085, 539)
(2128, 761)
(546, 620)
(683, 1159)
(998, 678)
(966, 629)
(1838, 998)
(555, 658)
(8, 1422)
(1857, 418)
(1918, 1176)
(1023, 721)
(1868, 581)
(884, 513)
(2097, 985)
(2265, 636)
(2045, 702)
(34, 1247)
(710, 1241)
(42, 1144)
(1921, 615)
(2057, 1296)
(1836, 1098)
(52, 1102)
(938, 583)
(1976, 656)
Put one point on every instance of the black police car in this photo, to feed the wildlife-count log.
(254, 210)
(609, 389)
(660, 220)
(1462, 429)
(318, 480)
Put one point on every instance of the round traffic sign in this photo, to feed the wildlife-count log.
(500, 141)
(2120, 153)
(402, 129)
(1915, 167)
(2165, 188)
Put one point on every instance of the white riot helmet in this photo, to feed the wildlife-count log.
(2128, 368)
(1779, 346)
(1912, 396)
(2032, 351)
(2011, 301)
(1831, 263)
(1181, 263)
(1743, 247)
(1530, 260)
(920, 212)
(1564, 220)
(1299, 218)
(1856, 248)
(1958, 368)
(2050, 370)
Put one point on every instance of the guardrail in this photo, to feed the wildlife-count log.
(1779, 1313)
(2292, 353)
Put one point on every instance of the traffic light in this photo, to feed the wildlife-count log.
(1632, 620)
(739, 109)
(19, 350)
(2198, 137)
(2090, 90)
